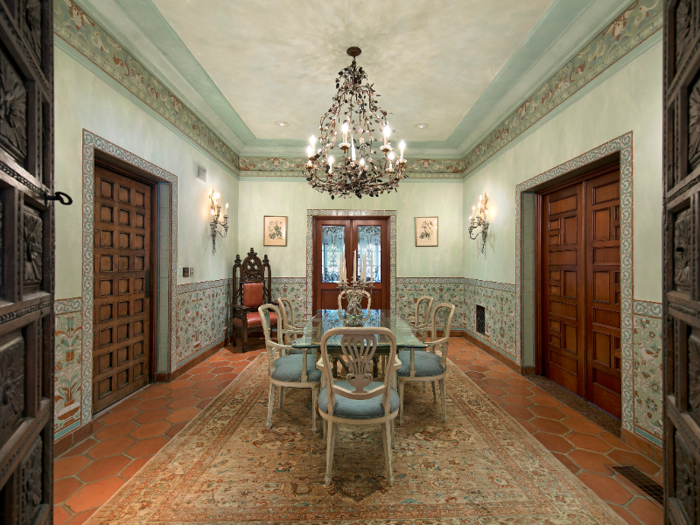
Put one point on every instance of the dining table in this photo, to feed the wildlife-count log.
(325, 320)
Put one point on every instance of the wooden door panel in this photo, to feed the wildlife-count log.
(562, 295)
(604, 354)
(26, 263)
(122, 309)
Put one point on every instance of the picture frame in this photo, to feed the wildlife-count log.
(426, 231)
(275, 230)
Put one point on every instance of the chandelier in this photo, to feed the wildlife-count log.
(360, 170)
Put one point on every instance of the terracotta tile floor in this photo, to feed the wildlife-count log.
(127, 435)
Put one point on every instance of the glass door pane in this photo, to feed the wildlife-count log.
(369, 246)
(333, 243)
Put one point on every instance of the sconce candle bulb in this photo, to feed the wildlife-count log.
(479, 222)
(217, 222)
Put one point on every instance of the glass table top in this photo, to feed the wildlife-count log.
(324, 320)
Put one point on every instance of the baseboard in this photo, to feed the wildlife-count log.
(68, 441)
(646, 447)
(498, 355)
(172, 376)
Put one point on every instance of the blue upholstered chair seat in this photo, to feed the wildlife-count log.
(295, 351)
(358, 408)
(288, 368)
(427, 364)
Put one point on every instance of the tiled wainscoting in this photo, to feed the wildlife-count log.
(204, 317)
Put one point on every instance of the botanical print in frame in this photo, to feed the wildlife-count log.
(275, 231)
(426, 231)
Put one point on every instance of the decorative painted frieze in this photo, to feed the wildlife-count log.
(647, 308)
(78, 30)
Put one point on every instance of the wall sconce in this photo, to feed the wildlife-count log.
(216, 223)
(479, 220)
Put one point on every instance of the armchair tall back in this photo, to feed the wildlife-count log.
(252, 287)
(359, 399)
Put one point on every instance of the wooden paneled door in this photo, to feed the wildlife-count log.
(330, 236)
(122, 313)
(27, 238)
(681, 268)
(579, 247)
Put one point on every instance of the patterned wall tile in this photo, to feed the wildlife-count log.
(648, 373)
(68, 333)
(295, 289)
(441, 289)
(203, 318)
(498, 299)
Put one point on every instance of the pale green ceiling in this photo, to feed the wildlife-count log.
(458, 65)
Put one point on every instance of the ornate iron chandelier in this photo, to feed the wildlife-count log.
(357, 117)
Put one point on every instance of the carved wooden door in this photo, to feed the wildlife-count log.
(681, 286)
(26, 262)
(122, 305)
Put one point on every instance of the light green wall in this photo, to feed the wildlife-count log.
(629, 100)
(87, 99)
(292, 197)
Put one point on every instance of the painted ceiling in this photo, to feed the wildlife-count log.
(459, 66)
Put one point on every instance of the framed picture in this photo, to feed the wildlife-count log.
(426, 231)
(275, 231)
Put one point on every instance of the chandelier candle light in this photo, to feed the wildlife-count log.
(479, 220)
(355, 113)
(355, 289)
(216, 222)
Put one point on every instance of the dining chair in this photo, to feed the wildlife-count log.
(365, 293)
(420, 322)
(426, 365)
(358, 400)
(288, 371)
(289, 329)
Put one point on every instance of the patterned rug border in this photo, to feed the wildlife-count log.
(558, 471)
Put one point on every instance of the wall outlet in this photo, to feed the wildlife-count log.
(185, 272)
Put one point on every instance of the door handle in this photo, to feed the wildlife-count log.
(148, 284)
(59, 196)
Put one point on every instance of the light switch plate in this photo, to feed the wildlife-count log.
(191, 271)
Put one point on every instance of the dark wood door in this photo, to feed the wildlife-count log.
(564, 336)
(604, 350)
(26, 262)
(681, 286)
(358, 237)
(580, 286)
(122, 265)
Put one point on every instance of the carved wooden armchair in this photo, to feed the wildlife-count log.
(252, 287)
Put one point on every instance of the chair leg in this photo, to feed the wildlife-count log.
(281, 395)
(329, 451)
(393, 433)
(389, 470)
(270, 405)
(444, 400)
(425, 387)
(314, 397)
(402, 384)
(432, 383)
(244, 348)
(323, 428)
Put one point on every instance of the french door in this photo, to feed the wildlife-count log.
(366, 238)
(580, 287)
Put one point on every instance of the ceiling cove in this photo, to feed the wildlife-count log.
(243, 66)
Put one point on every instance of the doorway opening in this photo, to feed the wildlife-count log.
(579, 286)
(357, 237)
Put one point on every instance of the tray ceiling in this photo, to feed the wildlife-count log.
(247, 65)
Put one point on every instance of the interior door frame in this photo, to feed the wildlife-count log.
(570, 179)
(386, 255)
(108, 164)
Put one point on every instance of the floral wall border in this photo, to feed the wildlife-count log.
(92, 142)
(203, 285)
(67, 306)
(310, 214)
(82, 33)
(633, 26)
(623, 145)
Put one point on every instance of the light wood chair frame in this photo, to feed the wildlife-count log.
(434, 344)
(358, 346)
(365, 293)
(288, 327)
(421, 323)
(276, 350)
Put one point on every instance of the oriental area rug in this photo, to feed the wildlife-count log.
(478, 467)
